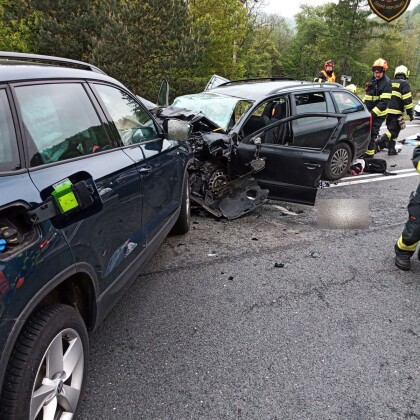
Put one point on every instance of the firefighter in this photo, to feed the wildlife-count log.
(326, 75)
(407, 243)
(401, 101)
(378, 94)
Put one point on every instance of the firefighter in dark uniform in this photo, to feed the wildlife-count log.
(326, 75)
(378, 95)
(401, 101)
(407, 243)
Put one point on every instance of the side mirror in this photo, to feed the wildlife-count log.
(178, 130)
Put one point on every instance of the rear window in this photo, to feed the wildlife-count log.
(9, 158)
(60, 123)
(347, 102)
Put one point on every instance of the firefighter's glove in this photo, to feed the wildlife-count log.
(401, 122)
(410, 115)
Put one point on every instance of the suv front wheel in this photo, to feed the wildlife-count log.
(338, 163)
(46, 372)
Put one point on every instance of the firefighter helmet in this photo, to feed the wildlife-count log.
(380, 65)
(329, 63)
(352, 88)
(402, 70)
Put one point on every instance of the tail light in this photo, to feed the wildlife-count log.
(370, 122)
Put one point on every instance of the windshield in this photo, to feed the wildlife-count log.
(225, 111)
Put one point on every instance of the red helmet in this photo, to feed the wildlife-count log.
(380, 65)
(329, 63)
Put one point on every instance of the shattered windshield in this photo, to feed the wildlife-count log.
(225, 111)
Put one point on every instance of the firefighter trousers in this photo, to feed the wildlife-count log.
(411, 234)
(376, 125)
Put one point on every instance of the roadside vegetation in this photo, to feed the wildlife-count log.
(142, 42)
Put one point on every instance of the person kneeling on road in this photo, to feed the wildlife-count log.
(401, 100)
(407, 243)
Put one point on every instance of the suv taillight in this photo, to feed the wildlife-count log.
(370, 122)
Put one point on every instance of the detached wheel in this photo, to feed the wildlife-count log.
(338, 163)
(46, 372)
(182, 225)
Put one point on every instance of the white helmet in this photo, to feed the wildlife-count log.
(402, 70)
(351, 88)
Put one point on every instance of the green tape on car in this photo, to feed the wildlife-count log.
(64, 196)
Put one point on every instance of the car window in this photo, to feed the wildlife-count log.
(133, 123)
(9, 158)
(60, 122)
(312, 102)
(269, 112)
(347, 103)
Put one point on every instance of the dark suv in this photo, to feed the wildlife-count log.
(90, 185)
(287, 134)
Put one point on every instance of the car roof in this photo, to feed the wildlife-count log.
(15, 67)
(22, 72)
(257, 89)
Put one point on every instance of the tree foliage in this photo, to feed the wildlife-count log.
(142, 42)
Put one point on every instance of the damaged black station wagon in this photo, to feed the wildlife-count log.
(262, 139)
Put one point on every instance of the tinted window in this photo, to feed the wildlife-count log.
(133, 123)
(8, 149)
(347, 103)
(60, 122)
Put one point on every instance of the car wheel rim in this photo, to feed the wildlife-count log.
(339, 162)
(59, 379)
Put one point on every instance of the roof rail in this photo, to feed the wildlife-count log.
(36, 58)
(260, 79)
(305, 83)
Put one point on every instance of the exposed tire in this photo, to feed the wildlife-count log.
(47, 370)
(182, 225)
(338, 163)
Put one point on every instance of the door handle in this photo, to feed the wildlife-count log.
(145, 170)
(312, 165)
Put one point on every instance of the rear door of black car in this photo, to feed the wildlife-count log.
(293, 146)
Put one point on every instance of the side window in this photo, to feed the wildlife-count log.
(9, 157)
(312, 102)
(60, 122)
(269, 112)
(347, 103)
(133, 123)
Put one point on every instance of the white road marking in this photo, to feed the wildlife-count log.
(379, 177)
(371, 175)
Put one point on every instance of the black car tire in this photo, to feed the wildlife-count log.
(338, 163)
(57, 334)
(182, 225)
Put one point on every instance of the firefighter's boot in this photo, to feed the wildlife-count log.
(381, 143)
(402, 259)
(392, 151)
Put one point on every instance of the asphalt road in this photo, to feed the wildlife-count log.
(270, 316)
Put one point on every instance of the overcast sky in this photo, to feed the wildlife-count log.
(288, 8)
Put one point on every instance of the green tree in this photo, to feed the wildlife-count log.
(145, 41)
(54, 27)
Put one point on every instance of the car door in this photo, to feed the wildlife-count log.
(293, 145)
(157, 159)
(66, 139)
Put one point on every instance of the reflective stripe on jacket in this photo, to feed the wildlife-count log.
(401, 99)
(378, 95)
